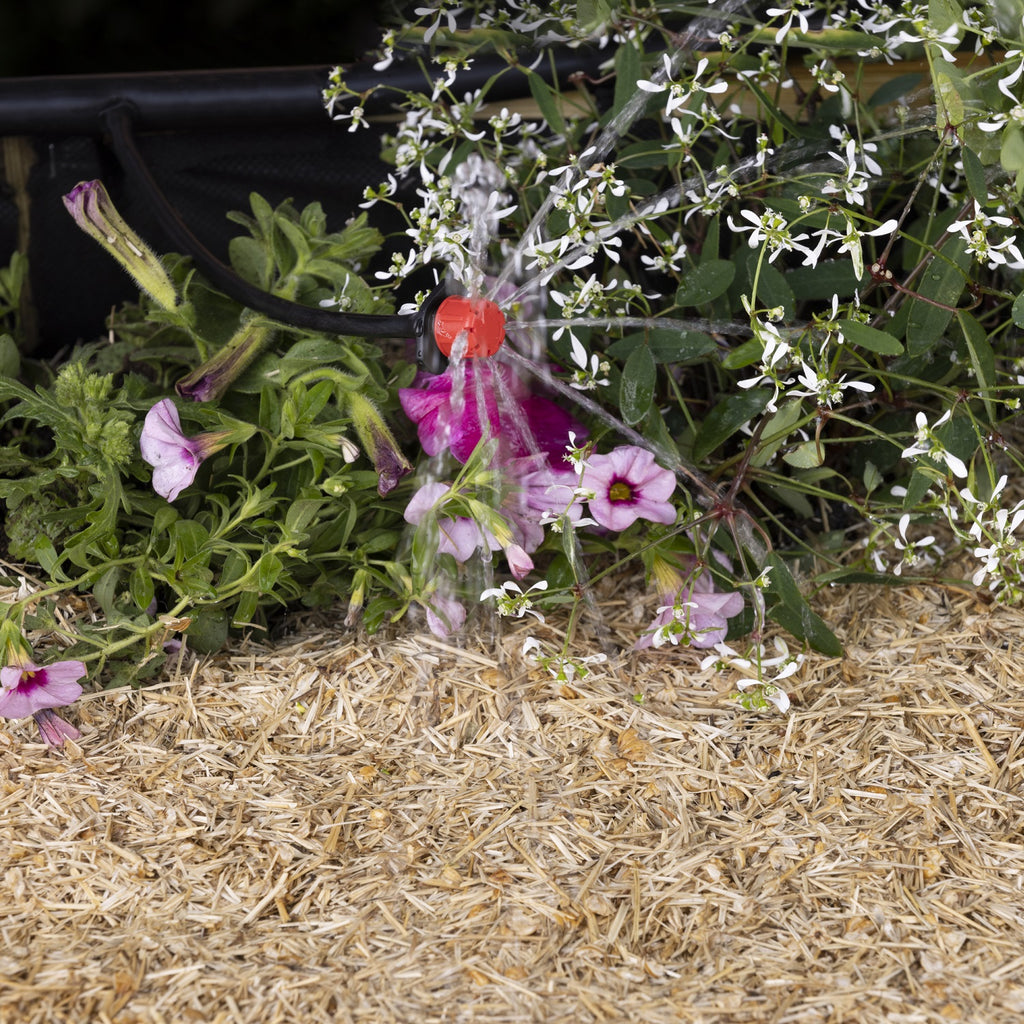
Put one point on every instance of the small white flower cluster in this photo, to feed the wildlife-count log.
(760, 674)
(912, 553)
(562, 667)
(687, 108)
(997, 546)
(927, 442)
(975, 232)
(512, 601)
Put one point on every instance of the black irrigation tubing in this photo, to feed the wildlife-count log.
(121, 105)
(119, 119)
(189, 100)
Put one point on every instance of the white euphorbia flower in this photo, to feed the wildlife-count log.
(926, 443)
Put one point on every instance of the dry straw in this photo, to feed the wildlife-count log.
(334, 829)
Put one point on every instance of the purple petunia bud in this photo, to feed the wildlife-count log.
(378, 442)
(209, 381)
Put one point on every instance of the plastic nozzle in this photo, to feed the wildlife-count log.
(481, 319)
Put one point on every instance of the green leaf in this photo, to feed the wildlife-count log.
(666, 345)
(706, 282)
(975, 174)
(772, 288)
(1018, 310)
(789, 608)
(820, 283)
(727, 417)
(983, 359)
(806, 455)
(141, 587)
(636, 390)
(268, 571)
(870, 338)
(942, 281)
(545, 98)
(627, 72)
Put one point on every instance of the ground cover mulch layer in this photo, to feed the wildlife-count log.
(335, 828)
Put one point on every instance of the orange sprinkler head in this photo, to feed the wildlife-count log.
(481, 319)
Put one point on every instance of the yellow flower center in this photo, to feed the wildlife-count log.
(620, 491)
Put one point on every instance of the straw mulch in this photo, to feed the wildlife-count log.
(335, 829)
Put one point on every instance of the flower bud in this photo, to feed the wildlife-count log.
(90, 205)
(210, 381)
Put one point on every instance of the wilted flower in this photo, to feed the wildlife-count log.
(209, 381)
(445, 615)
(53, 728)
(627, 485)
(378, 442)
(175, 458)
(90, 204)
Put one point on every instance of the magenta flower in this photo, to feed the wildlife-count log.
(492, 401)
(28, 689)
(174, 457)
(628, 485)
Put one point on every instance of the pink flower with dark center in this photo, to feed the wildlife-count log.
(491, 402)
(175, 458)
(26, 688)
(628, 485)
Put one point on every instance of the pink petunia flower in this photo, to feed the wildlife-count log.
(491, 401)
(175, 458)
(445, 615)
(627, 485)
(28, 689)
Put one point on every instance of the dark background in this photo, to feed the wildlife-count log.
(64, 37)
(205, 170)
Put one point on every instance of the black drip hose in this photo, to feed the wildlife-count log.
(119, 118)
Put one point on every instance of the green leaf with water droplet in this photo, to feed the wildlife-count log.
(706, 282)
(666, 345)
(636, 390)
(870, 338)
(942, 282)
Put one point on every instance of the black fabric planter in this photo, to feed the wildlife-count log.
(210, 138)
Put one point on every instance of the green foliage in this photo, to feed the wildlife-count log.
(283, 518)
